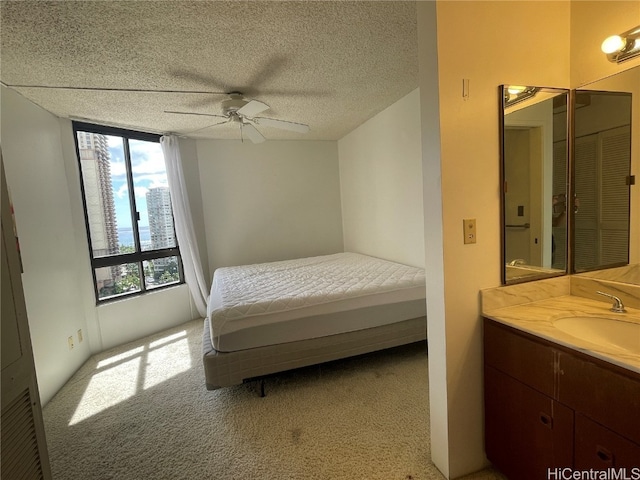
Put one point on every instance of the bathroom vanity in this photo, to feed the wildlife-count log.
(553, 400)
(562, 371)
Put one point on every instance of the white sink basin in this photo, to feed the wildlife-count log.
(607, 331)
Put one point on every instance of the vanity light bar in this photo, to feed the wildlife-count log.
(517, 93)
(625, 46)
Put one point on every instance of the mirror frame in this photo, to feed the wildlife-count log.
(568, 181)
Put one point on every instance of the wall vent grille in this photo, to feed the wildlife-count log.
(20, 458)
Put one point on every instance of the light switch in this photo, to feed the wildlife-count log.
(470, 234)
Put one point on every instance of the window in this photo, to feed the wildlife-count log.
(128, 213)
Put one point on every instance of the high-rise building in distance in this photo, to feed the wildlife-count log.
(161, 227)
(96, 176)
(98, 191)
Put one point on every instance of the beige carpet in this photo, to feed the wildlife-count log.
(141, 411)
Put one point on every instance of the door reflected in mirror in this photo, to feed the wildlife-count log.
(534, 126)
(602, 179)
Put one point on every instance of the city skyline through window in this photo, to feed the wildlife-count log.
(128, 211)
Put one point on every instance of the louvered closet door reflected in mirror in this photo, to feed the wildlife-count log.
(602, 170)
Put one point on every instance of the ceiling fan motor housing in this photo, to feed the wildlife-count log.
(235, 103)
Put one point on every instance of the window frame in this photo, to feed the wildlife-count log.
(139, 256)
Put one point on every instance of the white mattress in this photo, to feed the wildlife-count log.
(278, 302)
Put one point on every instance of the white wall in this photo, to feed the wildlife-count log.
(43, 178)
(125, 320)
(35, 168)
(488, 44)
(267, 202)
(433, 233)
(381, 185)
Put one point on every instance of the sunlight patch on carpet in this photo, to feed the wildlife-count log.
(123, 375)
(108, 388)
(118, 358)
(166, 362)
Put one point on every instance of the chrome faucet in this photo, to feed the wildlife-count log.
(618, 306)
(517, 261)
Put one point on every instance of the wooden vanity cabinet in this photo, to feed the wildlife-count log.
(606, 394)
(529, 362)
(547, 406)
(607, 429)
(526, 430)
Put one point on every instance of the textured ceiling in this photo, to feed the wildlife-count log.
(331, 65)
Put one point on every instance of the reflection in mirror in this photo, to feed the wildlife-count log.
(534, 182)
(606, 155)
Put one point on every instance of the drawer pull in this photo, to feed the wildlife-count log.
(546, 420)
(604, 454)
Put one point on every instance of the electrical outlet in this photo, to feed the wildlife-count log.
(469, 228)
(80, 337)
(70, 341)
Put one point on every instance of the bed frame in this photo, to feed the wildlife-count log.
(224, 369)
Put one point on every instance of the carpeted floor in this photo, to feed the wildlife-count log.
(141, 412)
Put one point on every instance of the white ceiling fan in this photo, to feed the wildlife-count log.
(235, 109)
(238, 109)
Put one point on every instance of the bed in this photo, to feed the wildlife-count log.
(271, 317)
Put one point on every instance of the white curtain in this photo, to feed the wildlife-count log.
(184, 224)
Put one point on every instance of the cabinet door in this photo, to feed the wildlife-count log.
(599, 448)
(526, 432)
(526, 360)
(610, 398)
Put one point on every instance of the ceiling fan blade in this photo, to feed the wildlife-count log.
(107, 89)
(281, 124)
(252, 108)
(252, 133)
(196, 113)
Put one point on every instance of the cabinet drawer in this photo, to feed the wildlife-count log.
(512, 353)
(609, 398)
(599, 448)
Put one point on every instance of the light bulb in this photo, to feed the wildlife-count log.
(613, 44)
(515, 89)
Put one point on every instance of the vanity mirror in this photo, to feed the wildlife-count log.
(607, 224)
(534, 160)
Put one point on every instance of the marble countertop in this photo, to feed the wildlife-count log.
(537, 319)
